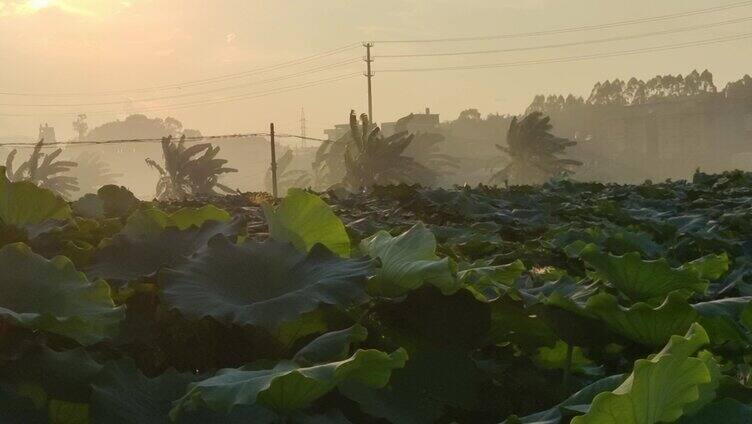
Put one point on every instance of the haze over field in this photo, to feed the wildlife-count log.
(95, 47)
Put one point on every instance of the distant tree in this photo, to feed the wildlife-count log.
(469, 115)
(287, 177)
(80, 126)
(92, 172)
(44, 170)
(534, 152)
(372, 159)
(140, 126)
(188, 171)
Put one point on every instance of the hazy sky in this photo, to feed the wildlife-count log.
(96, 47)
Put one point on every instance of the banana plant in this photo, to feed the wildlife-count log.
(44, 170)
(371, 159)
(287, 178)
(189, 171)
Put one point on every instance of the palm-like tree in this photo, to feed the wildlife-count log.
(286, 177)
(534, 152)
(93, 172)
(372, 159)
(189, 171)
(44, 170)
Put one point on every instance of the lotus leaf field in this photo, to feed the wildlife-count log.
(570, 302)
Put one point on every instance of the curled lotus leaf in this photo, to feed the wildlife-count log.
(51, 295)
(263, 284)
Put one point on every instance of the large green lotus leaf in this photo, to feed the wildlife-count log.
(304, 220)
(408, 261)
(433, 381)
(555, 358)
(710, 267)
(145, 222)
(556, 414)
(488, 282)
(64, 376)
(659, 389)
(127, 258)
(19, 409)
(725, 411)
(117, 201)
(51, 295)
(288, 386)
(571, 321)
(642, 280)
(706, 392)
(23, 203)
(332, 346)
(511, 322)
(88, 206)
(263, 284)
(723, 318)
(121, 394)
(643, 323)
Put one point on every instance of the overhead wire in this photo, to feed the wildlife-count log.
(566, 59)
(152, 140)
(198, 93)
(572, 43)
(192, 83)
(227, 99)
(564, 30)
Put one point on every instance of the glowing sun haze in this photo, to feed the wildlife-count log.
(92, 47)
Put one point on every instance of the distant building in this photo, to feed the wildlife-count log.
(413, 123)
(418, 123)
(388, 128)
(337, 132)
(47, 133)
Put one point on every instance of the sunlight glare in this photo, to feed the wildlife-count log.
(38, 4)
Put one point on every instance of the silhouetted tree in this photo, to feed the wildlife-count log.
(140, 126)
(372, 159)
(189, 171)
(44, 170)
(92, 172)
(80, 126)
(534, 152)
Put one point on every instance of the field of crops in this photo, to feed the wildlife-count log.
(570, 302)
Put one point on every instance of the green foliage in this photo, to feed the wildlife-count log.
(642, 280)
(407, 262)
(23, 203)
(642, 323)
(659, 389)
(509, 303)
(50, 295)
(304, 220)
(288, 386)
(153, 221)
(262, 284)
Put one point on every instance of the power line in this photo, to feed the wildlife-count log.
(198, 93)
(192, 83)
(152, 140)
(211, 102)
(564, 30)
(573, 43)
(581, 57)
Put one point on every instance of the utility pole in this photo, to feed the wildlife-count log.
(274, 161)
(302, 128)
(369, 75)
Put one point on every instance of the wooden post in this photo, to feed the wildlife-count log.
(274, 162)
